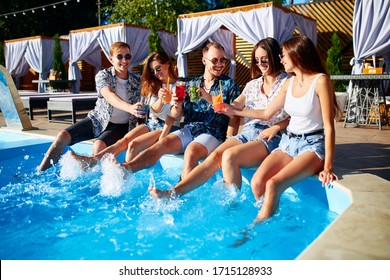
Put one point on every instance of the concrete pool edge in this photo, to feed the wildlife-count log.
(361, 232)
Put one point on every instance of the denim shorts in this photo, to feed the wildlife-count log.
(157, 124)
(251, 132)
(207, 140)
(294, 146)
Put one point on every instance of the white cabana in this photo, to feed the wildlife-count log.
(85, 44)
(371, 32)
(252, 23)
(35, 52)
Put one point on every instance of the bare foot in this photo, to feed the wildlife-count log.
(86, 161)
(156, 193)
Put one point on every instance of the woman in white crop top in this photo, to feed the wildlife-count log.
(307, 147)
(158, 70)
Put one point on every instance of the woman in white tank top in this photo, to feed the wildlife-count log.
(307, 147)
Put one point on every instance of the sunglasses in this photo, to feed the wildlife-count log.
(262, 61)
(281, 56)
(215, 60)
(127, 56)
(155, 70)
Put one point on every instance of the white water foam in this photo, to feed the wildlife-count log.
(115, 179)
(70, 167)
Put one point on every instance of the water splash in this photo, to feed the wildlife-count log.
(70, 167)
(115, 179)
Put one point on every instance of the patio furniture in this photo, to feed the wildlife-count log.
(72, 104)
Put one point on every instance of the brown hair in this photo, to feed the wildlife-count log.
(150, 84)
(116, 46)
(272, 47)
(212, 44)
(304, 55)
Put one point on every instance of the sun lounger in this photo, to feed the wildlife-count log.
(33, 101)
(71, 104)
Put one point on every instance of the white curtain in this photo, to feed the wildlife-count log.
(36, 53)
(83, 46)
(371, 32)
(15, 61)
(168, 43)
(86, 45)
(252, 26)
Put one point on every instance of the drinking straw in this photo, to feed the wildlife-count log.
(168, 83)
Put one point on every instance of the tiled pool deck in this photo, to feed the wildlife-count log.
(362, 162)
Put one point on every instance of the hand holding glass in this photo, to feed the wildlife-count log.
(180, 91)
(143, 111)
(168, 93)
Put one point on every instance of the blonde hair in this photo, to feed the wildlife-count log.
(117, 46)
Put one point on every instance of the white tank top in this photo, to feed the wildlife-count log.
(305, 111)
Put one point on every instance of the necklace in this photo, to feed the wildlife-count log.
(300, 84)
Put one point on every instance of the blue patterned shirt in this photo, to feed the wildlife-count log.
(199, 116)
(102, 112)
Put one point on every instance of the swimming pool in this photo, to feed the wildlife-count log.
(50, 216)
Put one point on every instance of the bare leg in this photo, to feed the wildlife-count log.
(115, 149)
(193, 153)
(147, 158)
(284, 173)
(141, 143)
(200, 174)
(55, 150)
(242, 156)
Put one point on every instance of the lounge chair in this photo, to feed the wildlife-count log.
(39, 101)
(71, 104)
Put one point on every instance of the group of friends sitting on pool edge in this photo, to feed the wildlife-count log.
(288, 109)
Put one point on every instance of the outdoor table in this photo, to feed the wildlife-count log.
(366, 104)
(53, 82)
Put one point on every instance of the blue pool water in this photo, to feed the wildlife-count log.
(52, 216)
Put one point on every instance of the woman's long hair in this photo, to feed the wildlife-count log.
(272, 47)
(304, 55)
(150, 84)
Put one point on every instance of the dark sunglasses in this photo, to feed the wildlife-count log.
(155, 70)
(127, 56)
(215, 60)
(262, 61)
(281, 56)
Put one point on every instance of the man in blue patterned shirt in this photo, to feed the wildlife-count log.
(115, 113)
(203, 129)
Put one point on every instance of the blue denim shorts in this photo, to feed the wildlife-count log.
(251, 132)
(296, 145)
(157, 124)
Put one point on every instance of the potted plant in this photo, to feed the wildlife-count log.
(58, 66)
(333, 65)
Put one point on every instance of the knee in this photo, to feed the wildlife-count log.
(228, 156)
(98, 145)
(63, 138)
(258, 183)
(133, 145)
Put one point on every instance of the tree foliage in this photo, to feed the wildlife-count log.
(334, 61)
(58, 64)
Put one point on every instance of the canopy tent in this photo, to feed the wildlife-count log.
(85, 44)
(35, 52)
(252, 23)
(371, 32)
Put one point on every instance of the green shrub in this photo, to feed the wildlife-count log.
(333, 62)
